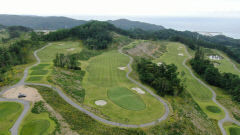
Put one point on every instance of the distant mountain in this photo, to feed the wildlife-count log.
(2, 26)
(128, 25)
(39, 23)
(54, 23)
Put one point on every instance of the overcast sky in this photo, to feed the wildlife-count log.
(212, 8)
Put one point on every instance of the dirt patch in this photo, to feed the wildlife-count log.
(138, 90)
(146, 49)
(100, 102)
(121, 68)
(30, 93)
(71, 49)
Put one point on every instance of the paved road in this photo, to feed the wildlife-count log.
(227, 117)
(14, 129)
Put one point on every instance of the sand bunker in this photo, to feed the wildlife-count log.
(180, 54)
(122, 68)
(159, 63)
(100, 102)
(31, 93)
(215, 57)
(138, 90)
(71, 49)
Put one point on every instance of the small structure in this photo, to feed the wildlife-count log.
(215, 57)
(20, 95)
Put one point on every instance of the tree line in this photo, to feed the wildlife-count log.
(163, 78)
(66, 61)
(205, 68)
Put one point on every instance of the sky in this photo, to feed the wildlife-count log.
(196, 8)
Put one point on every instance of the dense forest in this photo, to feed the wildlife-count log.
(95, 34)
(163, 78)
(16, 54)
(227, 81)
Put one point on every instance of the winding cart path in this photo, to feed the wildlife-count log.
(14, 129)
(227, 117)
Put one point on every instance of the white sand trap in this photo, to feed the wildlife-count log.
(71, 49)
(122, 68)
(180, 54)
(159, 63)
(100, 102)
(138, 90)
(31, 93)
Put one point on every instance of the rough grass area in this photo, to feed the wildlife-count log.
(35, 127)
(126, 99)
(70, 81)
(39, 72)
(34, 78)
(9, 112)
(213, 109)
(234, 131)
(78, 120)
(102, 74)
(186, 118)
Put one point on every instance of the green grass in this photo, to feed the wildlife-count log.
(39, 72)
(40, 67)
(200, 93)
(34, 78)
(35, 127)
(9, 112)
(213, 109)
(102, 74)
(126, 98)
(234, 131)
(47, 55)
(79, 121)
(37, 124)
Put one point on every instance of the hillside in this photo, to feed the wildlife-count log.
(54, 23)
(40, 23)
(129, 25)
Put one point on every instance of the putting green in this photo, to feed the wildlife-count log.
(126, 99)
(9, 112)
(213, 109)
(36, 127)
(234, 131)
